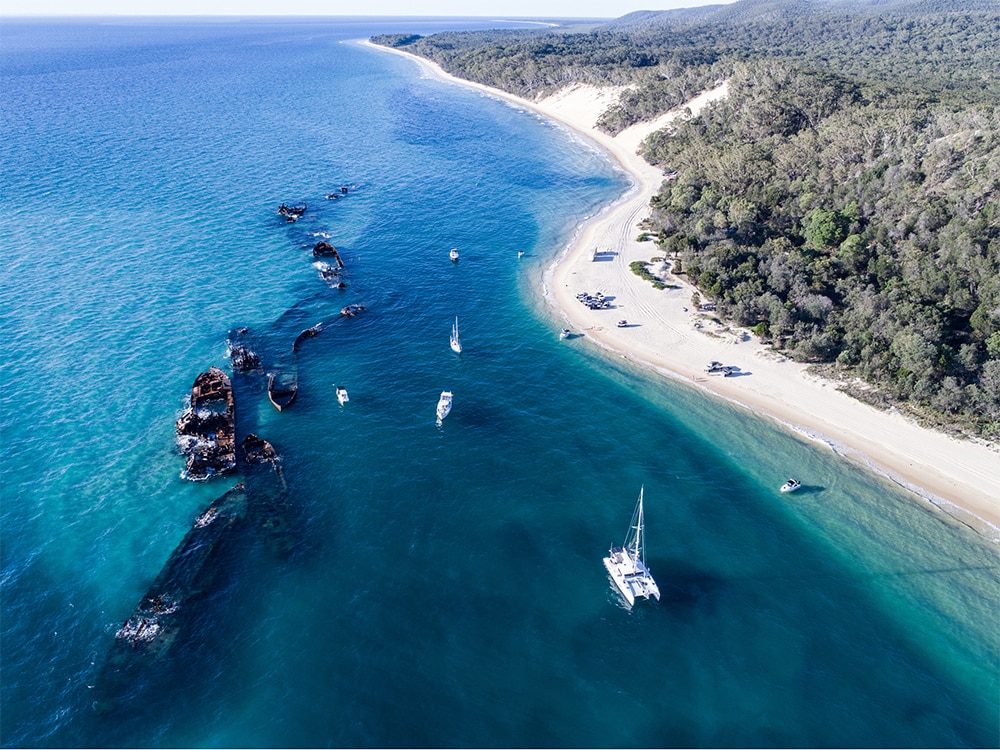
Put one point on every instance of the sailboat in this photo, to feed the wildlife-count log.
(627, 564)
(456, 345)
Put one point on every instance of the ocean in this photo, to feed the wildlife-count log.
(443, 585)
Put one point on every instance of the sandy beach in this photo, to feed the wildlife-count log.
(668, 335)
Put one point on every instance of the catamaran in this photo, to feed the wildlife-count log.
(627, 564)
(444, 406)
(456, 345)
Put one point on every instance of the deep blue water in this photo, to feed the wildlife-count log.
(446, 586)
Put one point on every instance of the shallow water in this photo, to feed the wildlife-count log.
(446, 587)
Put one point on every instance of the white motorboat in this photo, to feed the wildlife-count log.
(453, 254)
(456, 344)
(565, 333)
(444, 406)
(791, 485)
(627, 564)
(342, 396)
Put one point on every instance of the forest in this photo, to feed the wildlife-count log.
(843, 201)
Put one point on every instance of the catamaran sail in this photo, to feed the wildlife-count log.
(627, 564)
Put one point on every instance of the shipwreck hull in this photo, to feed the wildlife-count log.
(206, 432)
(160, 618)
(281, 391)
(267, 490)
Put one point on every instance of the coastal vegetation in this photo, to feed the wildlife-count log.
(842, 202)
(641, 269)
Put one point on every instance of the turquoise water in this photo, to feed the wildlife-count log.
(446, 587)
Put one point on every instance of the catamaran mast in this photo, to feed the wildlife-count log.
(640, 553)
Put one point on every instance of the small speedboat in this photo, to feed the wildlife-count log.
(444, 406)
(453, 254)
(342, 396)
(565, 333)
(791, 485)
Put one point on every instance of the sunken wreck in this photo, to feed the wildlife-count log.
(292, 213)
(244, 359)
(189, 574)
(267, 491)
(241, 356)
(325, 250)
(206, 432)
(309, 333)
(282, 388)
(329, 272)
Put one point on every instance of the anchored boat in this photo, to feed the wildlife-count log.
(627, 564)
(444, 406)
(791, 485)
(456, 344)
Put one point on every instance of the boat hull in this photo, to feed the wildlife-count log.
(455, 341)
(281, 394)
(206, 432)
(444, 406)
(631, 577)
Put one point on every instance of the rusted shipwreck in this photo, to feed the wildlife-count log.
(309, 333)
(329, 272)
(325, 250)
(206, 432)
(292, 213)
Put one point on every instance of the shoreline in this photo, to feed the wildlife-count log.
(665, 335)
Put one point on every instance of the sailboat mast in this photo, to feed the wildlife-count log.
(640, 551)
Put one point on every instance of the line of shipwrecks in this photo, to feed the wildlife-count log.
(206, 433)
(206, 437)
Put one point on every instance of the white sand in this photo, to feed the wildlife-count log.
(665, 333)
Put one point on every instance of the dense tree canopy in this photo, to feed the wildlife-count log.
(842, 201)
